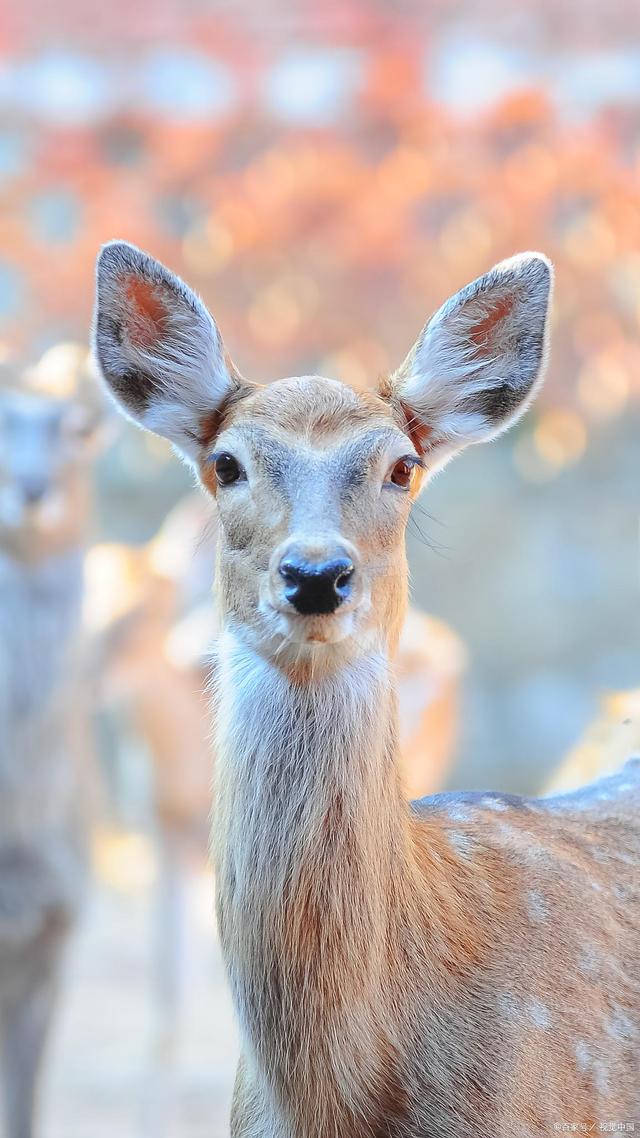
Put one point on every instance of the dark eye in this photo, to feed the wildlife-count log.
(228, 469)
(401, 473)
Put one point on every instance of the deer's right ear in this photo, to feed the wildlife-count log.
(158, 349)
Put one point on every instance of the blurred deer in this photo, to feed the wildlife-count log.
(137, 601)
(466, 964)
(612, 737)
(45, 446)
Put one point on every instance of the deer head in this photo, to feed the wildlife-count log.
(314, 481)
(49, 436)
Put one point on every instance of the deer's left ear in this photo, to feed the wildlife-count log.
(158, 349)
(478, 362)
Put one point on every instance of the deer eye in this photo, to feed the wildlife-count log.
(401, 472)
(228, 469)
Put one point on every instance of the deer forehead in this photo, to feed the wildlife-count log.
(311, 408)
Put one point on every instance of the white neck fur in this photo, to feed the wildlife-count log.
(307, 835)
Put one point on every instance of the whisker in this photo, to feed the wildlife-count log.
(419, 507)
(415, 528)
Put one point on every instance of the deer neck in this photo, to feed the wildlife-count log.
(311, 845)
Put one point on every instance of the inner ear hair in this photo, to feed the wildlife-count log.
(479, 361)
(148, 312)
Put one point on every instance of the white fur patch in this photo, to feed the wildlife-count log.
(621, 1026)
(539, 1014)
(463, 844)
(583, 1056)
(588, 959)
(458, 812)
(493, 803)
(537, 907)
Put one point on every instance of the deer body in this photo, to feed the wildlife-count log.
(462, 965)
(422, 968)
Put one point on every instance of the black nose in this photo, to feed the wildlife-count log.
(316, 587)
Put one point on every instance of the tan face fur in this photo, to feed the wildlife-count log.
(318, 458)
(315, 462)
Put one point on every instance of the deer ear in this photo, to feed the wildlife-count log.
(479, 361)
(158, 349)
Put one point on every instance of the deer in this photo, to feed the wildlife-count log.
(462, 964)
(613, 734)
(46, 444)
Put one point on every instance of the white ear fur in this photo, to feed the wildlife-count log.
(479, 361)
(157, 347)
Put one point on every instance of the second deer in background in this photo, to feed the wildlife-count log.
(46, 442)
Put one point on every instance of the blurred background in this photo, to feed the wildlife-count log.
(325, 176)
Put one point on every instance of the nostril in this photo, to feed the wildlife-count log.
(343, 580)
(289, 572)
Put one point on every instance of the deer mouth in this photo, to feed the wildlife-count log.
(329, 629)
(311, 629)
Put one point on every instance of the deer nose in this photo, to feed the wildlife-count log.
(316, 587)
